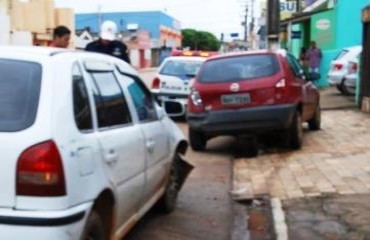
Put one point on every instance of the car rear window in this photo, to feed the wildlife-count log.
(181, 68)
(19, 94)
(341, 54)
(239, 68)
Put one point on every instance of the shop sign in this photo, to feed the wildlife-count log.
(323, 24)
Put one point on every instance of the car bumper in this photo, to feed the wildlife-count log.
(43, 225)
(350, 80)
(174, 105)
(335, 79)
(243, 121)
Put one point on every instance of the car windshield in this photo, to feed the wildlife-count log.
(19, 94)
(181, 68)
(239, 68)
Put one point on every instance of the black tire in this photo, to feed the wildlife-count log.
(198, 140)
(315, 123)
(296, 132)
(167, 203)
(250, 147)
(94, 229)
(340, 86)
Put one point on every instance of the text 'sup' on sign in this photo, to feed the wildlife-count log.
(366, 14)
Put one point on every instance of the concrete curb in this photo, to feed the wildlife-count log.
(280, 226)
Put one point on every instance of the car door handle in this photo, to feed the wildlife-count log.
(150, 146)
(111, 157)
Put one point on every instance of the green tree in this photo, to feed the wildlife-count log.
(200, 40)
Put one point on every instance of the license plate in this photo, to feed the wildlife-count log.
(234, 99)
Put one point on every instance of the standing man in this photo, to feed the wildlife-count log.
(314, 57)
(108, 44)
(61, 37)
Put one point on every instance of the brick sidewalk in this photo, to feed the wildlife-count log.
(333, 160)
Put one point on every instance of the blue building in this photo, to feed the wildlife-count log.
(145, 33)
(163, 28)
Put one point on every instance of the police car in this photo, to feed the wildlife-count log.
(173, 80)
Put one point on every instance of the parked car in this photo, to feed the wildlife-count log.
(339, 66)
(350, 80)
(86, 151)
(171, 84)
(254, 94)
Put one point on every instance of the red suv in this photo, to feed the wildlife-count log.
(252, 94)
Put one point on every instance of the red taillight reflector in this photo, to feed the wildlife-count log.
(40, 171)
(338, 66)
(353, 68)
(156, 83)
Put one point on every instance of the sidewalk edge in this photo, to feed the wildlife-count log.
(280, 226)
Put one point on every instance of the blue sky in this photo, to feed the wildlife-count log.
(216, 16)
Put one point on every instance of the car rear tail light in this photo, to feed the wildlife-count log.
(156, 83)
(353, 67)
(40, 171)
(281, 83)
(195, 98)
(338, 66)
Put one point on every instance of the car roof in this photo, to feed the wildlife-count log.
(247, 53)
(185, 58)
(32, 50)
(358, 47)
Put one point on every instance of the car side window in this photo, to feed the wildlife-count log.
(111, 106)
(295, 66)
(141, 99)
(81, 103)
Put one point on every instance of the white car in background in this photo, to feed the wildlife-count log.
(172, 82)
(350, 80)
(339, 66)
(85, 148)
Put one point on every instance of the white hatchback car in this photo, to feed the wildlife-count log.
(172, 83)
(86, 151)
(339, 66)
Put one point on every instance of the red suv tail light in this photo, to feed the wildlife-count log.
(281, 83)
(280, 90)
(156, 83)
(40, 171)
(195, 101)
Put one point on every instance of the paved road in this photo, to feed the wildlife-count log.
(204, 208)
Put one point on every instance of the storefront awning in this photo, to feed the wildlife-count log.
(301, 17)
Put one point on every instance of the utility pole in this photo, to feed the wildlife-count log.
(273, 23)
(246, 25)
(298, 6)
(251, 28)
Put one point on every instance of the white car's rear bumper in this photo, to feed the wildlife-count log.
(44, 225)
(350, 80)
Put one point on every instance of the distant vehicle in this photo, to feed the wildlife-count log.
(350, 80)
(339, 66)
(252, 94)
(85, 151)
(173, 80)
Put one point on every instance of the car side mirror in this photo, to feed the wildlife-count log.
(161, 112)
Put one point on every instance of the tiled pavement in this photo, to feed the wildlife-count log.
(335, 159)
